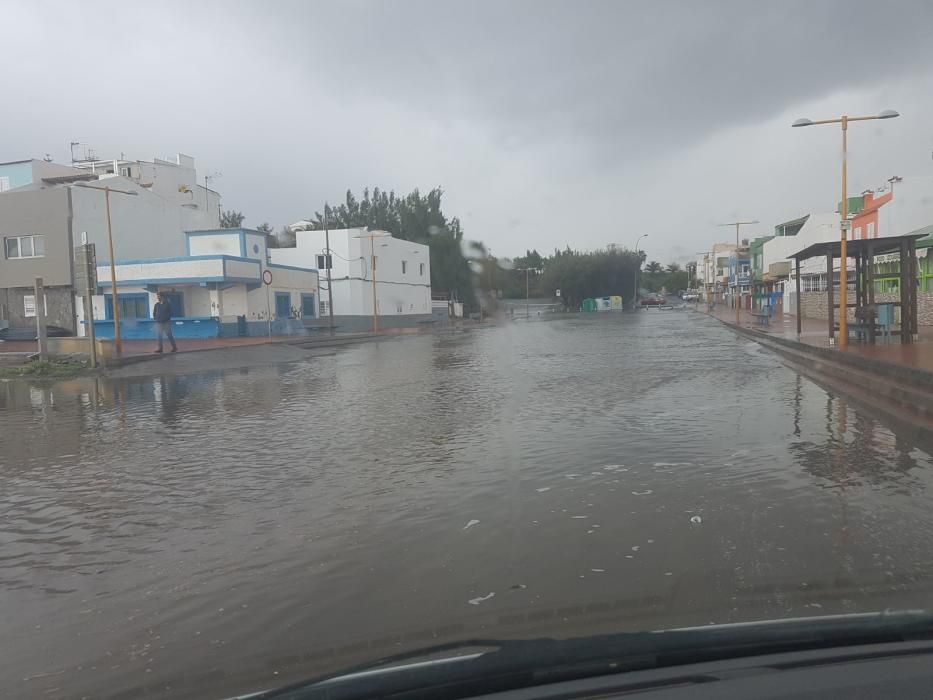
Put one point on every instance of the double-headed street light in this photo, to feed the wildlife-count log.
(736, 297)
(844, 214)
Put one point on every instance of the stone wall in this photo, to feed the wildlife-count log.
(58, 300)
(813, 305)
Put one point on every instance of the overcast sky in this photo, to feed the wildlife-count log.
(547, 124)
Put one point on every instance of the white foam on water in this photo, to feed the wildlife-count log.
(673, 464)
(579, 517)
(696, 519)
(543, 489)
(647, 492)
(470, 524)
(635, 548)
(598, 571)
(477, 601)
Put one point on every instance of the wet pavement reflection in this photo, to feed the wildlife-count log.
(217, 533)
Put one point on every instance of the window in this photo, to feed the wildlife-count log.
(29, 305)
(398, 308)
(421, 269)
(131, 306)
(25, 247)
(176, 302)
(858, 232)
(325, 309)
(404, 266)
(4, 183)
(126, 171)
(871, 230)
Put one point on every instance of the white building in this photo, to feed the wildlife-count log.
(402, 272)
(219, 289)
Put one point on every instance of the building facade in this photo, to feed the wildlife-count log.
(225, 286)
(367, 266)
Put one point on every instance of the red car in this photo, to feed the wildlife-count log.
(653, 300)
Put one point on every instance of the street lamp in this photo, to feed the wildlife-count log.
(736, 296)
(843, 121)
(117, 338)
(637, 268)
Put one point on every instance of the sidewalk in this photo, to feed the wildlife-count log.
(815, 332)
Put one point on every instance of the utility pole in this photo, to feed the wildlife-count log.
(117, 340)
(637, 268)
(736, 297)
(371, 235)
(328, 261)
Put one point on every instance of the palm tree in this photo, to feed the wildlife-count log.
(673, 267)
(653, 268)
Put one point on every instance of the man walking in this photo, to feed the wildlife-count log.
(162, 313)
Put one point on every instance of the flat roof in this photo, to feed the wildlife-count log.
(862, 246)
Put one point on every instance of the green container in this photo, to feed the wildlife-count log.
(589, 305)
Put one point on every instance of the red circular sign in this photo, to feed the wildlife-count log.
(267, 277)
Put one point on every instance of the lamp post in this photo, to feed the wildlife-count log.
(843, 121)
(117, 339)
(637, 268)
(527, 271)
(737, 296)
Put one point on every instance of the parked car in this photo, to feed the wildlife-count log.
(653, 300)
(30, 333)
(690, 296)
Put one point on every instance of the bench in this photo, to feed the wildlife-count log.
(763, 318)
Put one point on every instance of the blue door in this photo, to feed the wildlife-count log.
(283, 305)
(308, 306)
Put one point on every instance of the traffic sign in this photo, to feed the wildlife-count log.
(267, 277)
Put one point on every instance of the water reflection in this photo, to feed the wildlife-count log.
(593, 474)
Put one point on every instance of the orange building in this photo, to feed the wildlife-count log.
(865, 220)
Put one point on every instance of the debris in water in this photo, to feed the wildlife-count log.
(543, 489)
(673, 464)
(696, 520)
(668, 573)
(650, 541)
(518, 587)
(635, 548)
(648, 492)
(629, 556)
(477, 601)
(598, 571)
(471, 524)
(578, 517)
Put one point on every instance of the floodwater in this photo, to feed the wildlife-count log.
(206, 535)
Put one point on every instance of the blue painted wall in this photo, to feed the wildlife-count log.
(145, 328)
(19, 173)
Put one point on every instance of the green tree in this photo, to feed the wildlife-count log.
(673, 267)
(231, 219)
(653, 268)
(271, 240)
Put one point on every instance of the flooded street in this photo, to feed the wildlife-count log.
(218, 533)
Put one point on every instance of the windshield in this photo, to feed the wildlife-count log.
(332, 331)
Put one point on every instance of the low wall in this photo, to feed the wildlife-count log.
(79, 346)
(364, 324)
(145, 328)
(813, 305)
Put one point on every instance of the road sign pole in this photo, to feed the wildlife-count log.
(40, 318)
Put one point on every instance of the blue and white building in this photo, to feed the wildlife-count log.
(217, 289)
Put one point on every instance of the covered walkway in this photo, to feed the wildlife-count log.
(866, 316)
